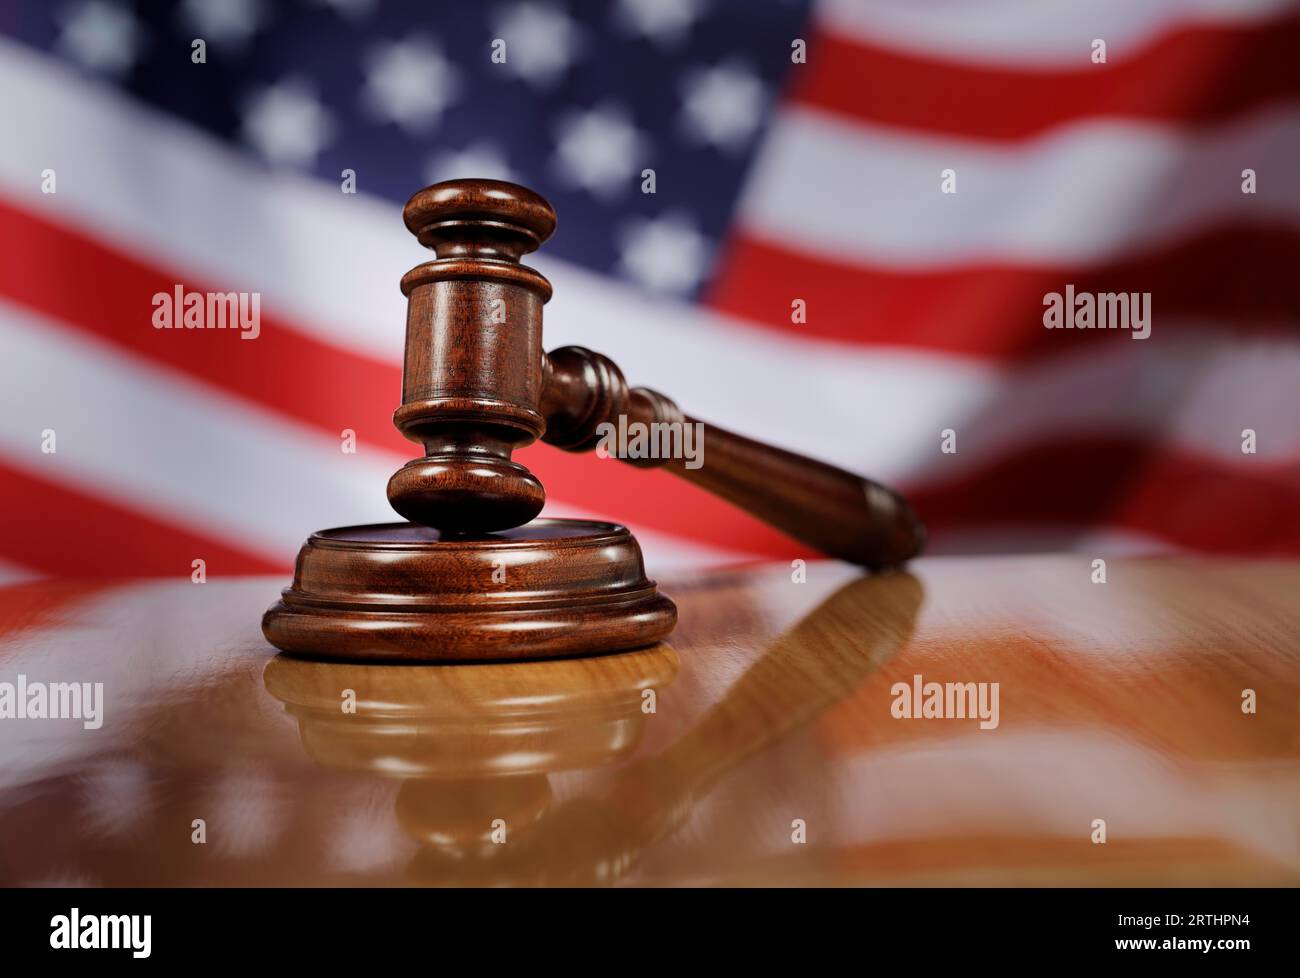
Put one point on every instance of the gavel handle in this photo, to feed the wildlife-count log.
(840, 514)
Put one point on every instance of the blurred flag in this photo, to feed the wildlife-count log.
(859, 209)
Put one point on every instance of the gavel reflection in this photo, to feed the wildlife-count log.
(477, 743)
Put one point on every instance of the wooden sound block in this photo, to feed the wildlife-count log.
(401, 592)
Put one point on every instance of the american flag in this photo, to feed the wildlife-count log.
(803, 157)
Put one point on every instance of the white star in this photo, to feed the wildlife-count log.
(409, 82)
(479, 159)
(665, 22)
(287, 124)
(722, 106)
(227, 23)
(666, 254)
(541, 41)
(599, 150)
(101, 36)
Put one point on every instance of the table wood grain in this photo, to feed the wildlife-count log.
(759, 745)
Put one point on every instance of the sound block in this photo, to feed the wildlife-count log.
(400, 592)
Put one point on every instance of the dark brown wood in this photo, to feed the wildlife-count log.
(477, 386)
(403, 592)
(471, 381)
(840, 514)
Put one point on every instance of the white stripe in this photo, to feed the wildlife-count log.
(1031, 33)
(155, 441)
(1084, 192)
(1189, 390)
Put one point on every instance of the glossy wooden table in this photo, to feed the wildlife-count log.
(771, 709)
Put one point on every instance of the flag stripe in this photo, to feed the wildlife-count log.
(146, 438)
(282, 367)
(1081, 194)
(1128, 483)
(1031, 33)
(1164, 82)
(1237, 276)
(57, 529)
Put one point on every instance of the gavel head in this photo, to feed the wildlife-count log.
(472, 380)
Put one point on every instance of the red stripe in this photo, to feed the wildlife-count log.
(1125, 483)
(1196, 75)
(1235, 276)
(76, 279)
(51, 528)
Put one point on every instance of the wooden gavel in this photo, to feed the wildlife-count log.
(477, 385)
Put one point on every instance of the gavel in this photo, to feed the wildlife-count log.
(472, 575)
(476, 386)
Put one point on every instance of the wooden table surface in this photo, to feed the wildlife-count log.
(772, 710)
